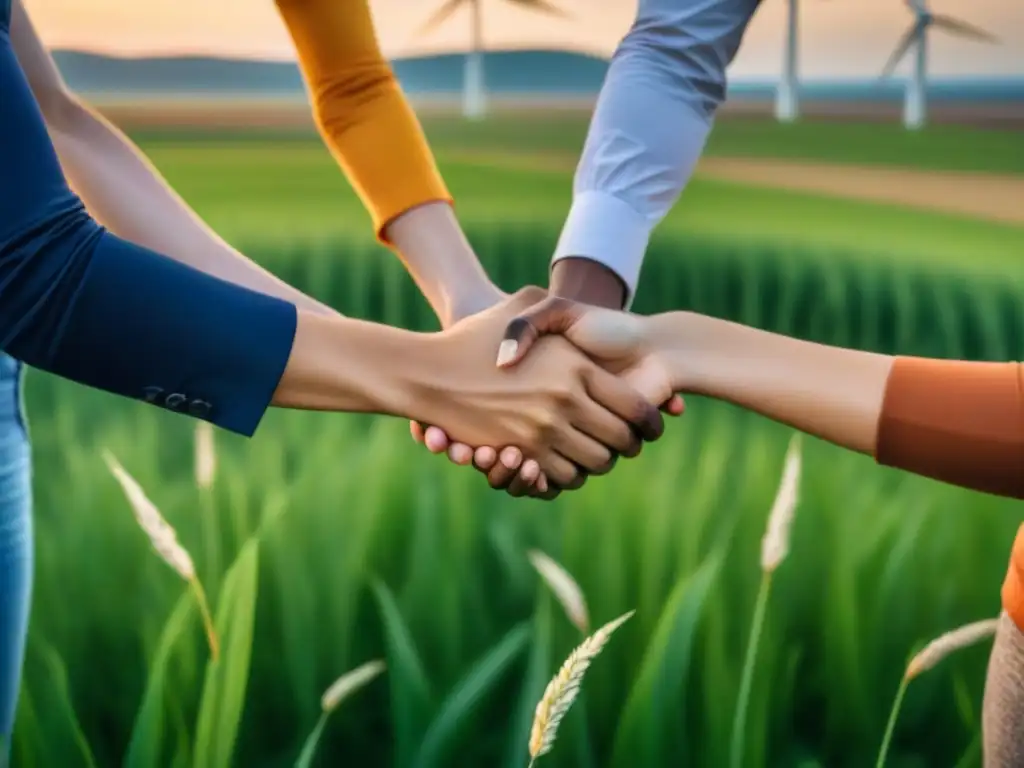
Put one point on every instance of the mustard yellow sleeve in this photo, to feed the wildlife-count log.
(360, 109)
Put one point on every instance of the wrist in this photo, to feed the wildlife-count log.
(341, 364)
(587, 281)
(607, 230)
(441, 261)
(691, 348)
(465, 299)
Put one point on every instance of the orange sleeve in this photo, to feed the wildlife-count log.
(960, 422)
(1013, 586)
(360, 109)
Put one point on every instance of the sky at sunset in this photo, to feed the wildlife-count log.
(839, 38)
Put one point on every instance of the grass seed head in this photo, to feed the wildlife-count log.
(775, 544)
(564, 688)
(948, 643)
(161, 534)
(565, 588)
(349, 683)
(205, 455)
(165, 541)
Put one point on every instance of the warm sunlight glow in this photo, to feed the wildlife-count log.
(844, 38)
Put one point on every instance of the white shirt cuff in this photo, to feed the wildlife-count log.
(603, 228)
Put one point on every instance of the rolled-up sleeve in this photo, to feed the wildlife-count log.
(955, 421)
(360, 109)
(653, 116)
(88, 306)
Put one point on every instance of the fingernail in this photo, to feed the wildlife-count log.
(485, 457)
(507, 351)
(511, 458)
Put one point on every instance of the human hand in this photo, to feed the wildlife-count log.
(619, 341)
(507, 468)
(512, 472)
(561, 410)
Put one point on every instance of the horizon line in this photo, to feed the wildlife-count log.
(185, 56)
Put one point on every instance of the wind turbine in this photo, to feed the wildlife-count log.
(787, 106)
(474, 92)
(916, 38)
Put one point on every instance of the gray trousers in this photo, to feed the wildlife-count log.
(1003, 709)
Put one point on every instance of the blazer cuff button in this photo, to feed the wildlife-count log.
(175, 401)
(199, 408)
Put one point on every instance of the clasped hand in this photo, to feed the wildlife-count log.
(581, 397)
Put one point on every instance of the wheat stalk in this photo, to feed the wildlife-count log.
(948, 643)
(564, 687)
(775, 544)
(164, 540)
(205, 463)
(774, 549)
(565, 588)
(204, 467)
(338, 691)
(925, 659)
(349, 683)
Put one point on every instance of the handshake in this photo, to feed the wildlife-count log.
(539, 392)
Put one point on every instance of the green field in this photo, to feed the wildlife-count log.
(362, 546)
(263, 188)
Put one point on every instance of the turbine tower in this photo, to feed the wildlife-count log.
(916, 39)
(787, 101)
(474, 89)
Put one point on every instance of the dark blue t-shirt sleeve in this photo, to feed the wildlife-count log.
(83, 304)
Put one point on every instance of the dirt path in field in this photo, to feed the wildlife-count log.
(987, 196)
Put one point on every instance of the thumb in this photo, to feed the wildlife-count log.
(553, 315)
(651, 381)
(674, 406)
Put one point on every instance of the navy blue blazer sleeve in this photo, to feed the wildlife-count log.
(88, 306)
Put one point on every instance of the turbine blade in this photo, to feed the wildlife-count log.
(963, 29)
(908, 39)
(440, 16)
(542, 6)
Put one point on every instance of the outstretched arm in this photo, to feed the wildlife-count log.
(959, 422)
(653, 115)
(84, 304)
(375, 137)
(121, 189)
(656, 108)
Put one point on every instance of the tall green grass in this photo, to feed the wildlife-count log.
(338, 541)
(833, 296)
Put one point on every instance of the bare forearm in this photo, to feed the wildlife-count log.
(341, 364)
(952, 420)
(127, 194)
(836, 394)
(437, 254)
(374, 135)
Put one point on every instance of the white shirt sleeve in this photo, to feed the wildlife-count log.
(654, 113)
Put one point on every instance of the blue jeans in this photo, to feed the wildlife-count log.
(15, 541)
